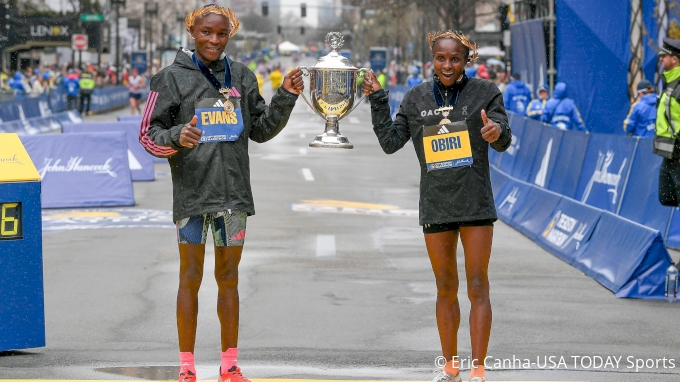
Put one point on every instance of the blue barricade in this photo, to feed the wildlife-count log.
(568, 231)
(498, 180)
(527, 149)
(31, 107)
(605, 171)
(130, 118)
(141, 162)
(673, 236)
(507, 160)
(546, 156)
(82, 170)
(396, 95)
(569, 163)
(538, 208)
(641, 198)
(627, 258)
(510, 197)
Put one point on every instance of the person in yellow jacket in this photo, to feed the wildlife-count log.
(276, 77)
(260, 82)
(666, 140)
(86, 89)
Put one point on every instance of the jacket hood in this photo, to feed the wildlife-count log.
(560, 91)
(517, 84)
(184, 59)
(649, 99)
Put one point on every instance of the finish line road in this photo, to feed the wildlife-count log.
(335, 284)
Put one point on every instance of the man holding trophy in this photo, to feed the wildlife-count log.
(200, 113)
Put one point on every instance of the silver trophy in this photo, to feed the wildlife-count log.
(332, 89)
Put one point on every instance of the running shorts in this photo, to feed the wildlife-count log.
(443, 227)
(228, 228)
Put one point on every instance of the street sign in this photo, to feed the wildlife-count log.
(79, 41)
(92, 17)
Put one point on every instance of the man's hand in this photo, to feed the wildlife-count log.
(371, 84)
(293, 81)
(491, 130)
(190, 135)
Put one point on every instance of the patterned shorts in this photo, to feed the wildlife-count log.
(228, 228)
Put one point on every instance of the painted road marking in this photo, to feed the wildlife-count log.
(60, 220)
(347, 207)
(325, 246)
(307, 173)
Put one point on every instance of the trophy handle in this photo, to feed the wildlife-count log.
(305, 72)
(363, 96)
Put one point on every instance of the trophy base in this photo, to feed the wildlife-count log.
(336, 141)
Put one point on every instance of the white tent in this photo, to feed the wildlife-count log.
(288, 46)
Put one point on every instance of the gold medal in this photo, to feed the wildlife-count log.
(228, 106)
(445, 113)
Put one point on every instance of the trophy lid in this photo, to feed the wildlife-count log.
(334, 60)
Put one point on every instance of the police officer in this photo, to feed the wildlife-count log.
(668, 124)
(86, 89)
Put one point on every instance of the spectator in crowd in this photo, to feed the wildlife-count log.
(517, 95)
(135, 84)
(19, 85)
(3, 79)
(72, 86)
(40, 85)
(87, 85)
(482, 72)
(276, 77)
(668, 124)
(641, 118)
(561, 112)
(382, 78)
(415, 78)
(536, 106)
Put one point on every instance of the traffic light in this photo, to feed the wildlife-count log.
(303, 10)
(278, 29)
(503, 16)
(302, 30)
(265, 8)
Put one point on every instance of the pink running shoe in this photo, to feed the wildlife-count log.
(232, 375)
(187, 376)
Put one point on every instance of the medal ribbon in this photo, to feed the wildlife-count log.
(211, 77)
(455, 90)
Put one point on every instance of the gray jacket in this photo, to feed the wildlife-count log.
(459, 194)
(212, 176)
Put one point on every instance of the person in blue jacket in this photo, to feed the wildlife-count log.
(72, 86)
(415, 78)
(641, 119)
(561, 112)
(517, 95)
(536, 106)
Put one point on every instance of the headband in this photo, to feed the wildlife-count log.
(457, 35)
(234, 24)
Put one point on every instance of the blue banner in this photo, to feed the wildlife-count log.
(395, 97)
(130, 118)
(529, 53)
(527, 148)
(138, 61)
(378, 59)
(569, 163)
(641, 200)
(673, 237)
(626, 258)
(567, 233)
(498, 180)
(605, 171)
(82, 169)
(140, 161)
(546, 156)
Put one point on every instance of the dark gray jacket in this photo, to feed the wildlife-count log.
(212, 176)
(459, 194)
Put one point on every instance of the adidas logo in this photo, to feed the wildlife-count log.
(443, 130)
(219, 103)
(241, 235)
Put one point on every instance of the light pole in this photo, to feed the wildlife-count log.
(151, 10)
(117, 4)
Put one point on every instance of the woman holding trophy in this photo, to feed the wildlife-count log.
(200, 114)
(452, 121)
